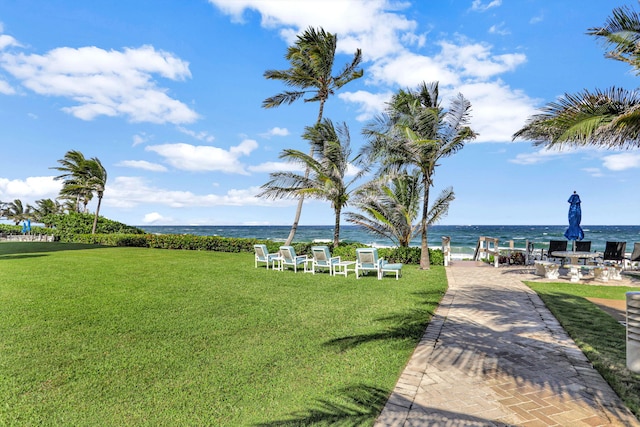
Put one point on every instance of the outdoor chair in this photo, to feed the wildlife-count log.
(322, 259)
(614, 253)
(634, 260)
(386, 267)
(613, 258)
(290, 259)
(583, 246)
(367, 260)
(263, 255)
(556, 245)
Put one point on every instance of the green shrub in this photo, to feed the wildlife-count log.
(66, 226)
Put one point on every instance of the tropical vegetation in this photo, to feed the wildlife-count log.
(82, 178)
(312, 59)
(414, 134)
(326, 170)
(607, 118)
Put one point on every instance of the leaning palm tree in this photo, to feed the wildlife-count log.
(72, 166)
(416, 131)
(96, 182)
(77, 192)
(607, 118)
(312, 59)
(82, 178)
(327, 169)
(16, 211)
(389, 207)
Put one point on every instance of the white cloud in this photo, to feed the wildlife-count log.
(594, 172)
(111, 83)
(129, 192)
(370, 103)
(269, 167)
(497, 111)
(7, 41)
(475, 60)
(540, 156)
(142, 164)
(140, 138)
(372, 25)
(482, 7)
(622, 161)
(536, 19)
(277, 131)
(499, 29)
(30, 189)
(6, 89)
(205, 158)
(154, 218)
(201, 136)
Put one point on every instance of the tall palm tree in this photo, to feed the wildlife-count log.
(327, 169)
(312, 59)
(416, 132)
(389, 207)
(15, 211)
(72, 166)
(607, 118)
(82, 178)
(96, 182)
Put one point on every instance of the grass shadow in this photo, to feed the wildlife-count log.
(360, 404)
(409, 326)
(13, 248)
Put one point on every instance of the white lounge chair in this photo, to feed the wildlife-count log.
(263, 255)
(322, 259)
(290, 259)
(387, 267)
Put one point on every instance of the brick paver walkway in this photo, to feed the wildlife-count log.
(493, 355)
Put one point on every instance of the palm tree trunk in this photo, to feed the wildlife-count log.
(95, 218)
(336, 229)
(424, 244)
(296, 219)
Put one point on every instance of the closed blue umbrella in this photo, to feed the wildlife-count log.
(574, 232)
(28, 226)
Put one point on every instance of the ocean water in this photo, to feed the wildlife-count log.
(463, 237)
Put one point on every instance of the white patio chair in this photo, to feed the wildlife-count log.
(290, 259)
(263, 255)
(367, 260)
(322, 259)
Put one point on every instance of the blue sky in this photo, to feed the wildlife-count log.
(167, 94)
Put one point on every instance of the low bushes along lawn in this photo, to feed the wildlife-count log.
(599, 336)
(93, 335)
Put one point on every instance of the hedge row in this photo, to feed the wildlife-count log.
(410, 255)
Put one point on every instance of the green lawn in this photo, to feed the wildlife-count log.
(601, 338)
(94, 335)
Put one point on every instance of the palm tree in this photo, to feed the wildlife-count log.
(326, 166)
(389, 207)
(416, 132)
(43, 208)
(73, 166)
(608, 118)
(96, 182)
(16, 212)
(82, 178)
(312, 59)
